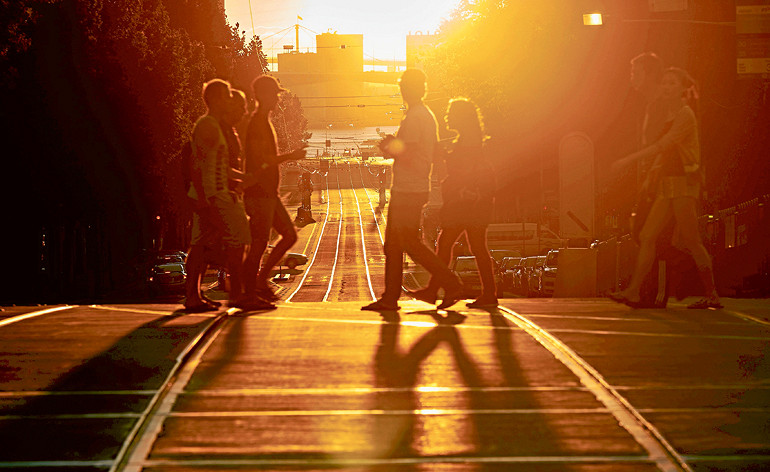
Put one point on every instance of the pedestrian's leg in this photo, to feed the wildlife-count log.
(195, 266)
(394, 255)
(656, 221)
(444, 246)
(260, 212)
(687, 223)
(409, 233)
(235, 267)
(477, 239)
(285, 227)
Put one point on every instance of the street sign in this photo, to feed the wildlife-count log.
(752, 28)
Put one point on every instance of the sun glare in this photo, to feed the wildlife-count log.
(383, 24)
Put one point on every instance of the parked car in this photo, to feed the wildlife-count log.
(166, 274)
(549, 272)
(535, 277)
(465, 268)
(499, 254)
(292, 260)
(507, 268)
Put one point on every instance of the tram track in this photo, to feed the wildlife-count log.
(658, 448)
(138, 444)
(137, 447)
(339, 269)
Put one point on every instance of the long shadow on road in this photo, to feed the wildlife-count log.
(479, 432)
(86, 414)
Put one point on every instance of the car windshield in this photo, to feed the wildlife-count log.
(168, 259)
(552, 259)
(465, 264)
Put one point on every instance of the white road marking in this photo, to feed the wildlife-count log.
(27, 316)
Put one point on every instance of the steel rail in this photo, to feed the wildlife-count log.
(659, 450)
(361, 227)
(318, 245)
(140, 439)
(339, 236)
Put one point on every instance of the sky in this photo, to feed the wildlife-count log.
(384, 24)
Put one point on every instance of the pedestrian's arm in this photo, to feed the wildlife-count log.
(683, 125)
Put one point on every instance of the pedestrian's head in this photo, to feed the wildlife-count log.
(236, 108)
(464, 117)
(413, 85)
(216, 95)
(266, 90)
(677, 83)
(646, 71)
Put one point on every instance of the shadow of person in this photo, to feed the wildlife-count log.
(493, 394)
(395, 380)
(117, 381)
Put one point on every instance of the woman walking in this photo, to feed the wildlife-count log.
(674, 181)
(468, 196)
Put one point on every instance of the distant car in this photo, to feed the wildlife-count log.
(507, 268)
(499, 254)
(167, 274)
(465, 268)
(549, 272)
(292, 260)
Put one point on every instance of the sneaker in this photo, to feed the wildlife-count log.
(451, 297)
(483, 302)
(252, 304)
(201, 307)
(424, 295)
(381, 305)
(211, 302)
(706, 303)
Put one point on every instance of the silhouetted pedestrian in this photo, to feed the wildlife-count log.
(263, 203)
(674, 179)
(468, 198)
(412, 151)
(217, 213)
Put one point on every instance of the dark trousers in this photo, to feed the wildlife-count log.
(402, 235)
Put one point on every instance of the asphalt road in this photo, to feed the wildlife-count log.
(536, 385)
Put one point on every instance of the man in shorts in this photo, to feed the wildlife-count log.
(263, 203)
(218, 217)
(412, 152)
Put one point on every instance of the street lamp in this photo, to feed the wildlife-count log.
(592, 19)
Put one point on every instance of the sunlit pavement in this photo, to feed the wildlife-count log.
(541, 384)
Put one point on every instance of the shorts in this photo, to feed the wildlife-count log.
(266, 213)
(678, 186)
(225, 220)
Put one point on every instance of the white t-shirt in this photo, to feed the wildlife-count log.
(419, 131)
(210, 156)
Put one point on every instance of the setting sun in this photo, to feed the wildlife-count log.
(383, 24)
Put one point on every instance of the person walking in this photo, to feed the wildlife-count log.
(263, 203)
(412, 151)
(468, 198)
(217, 217)
(674, 179)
